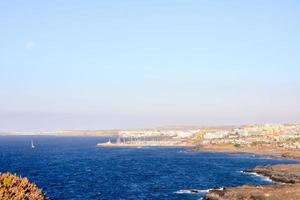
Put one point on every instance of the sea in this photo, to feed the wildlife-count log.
(73, 168)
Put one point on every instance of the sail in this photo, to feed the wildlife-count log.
(32, 145)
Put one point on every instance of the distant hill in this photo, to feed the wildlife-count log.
(65, 133)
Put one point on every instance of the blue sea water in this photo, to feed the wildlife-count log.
(73, 168)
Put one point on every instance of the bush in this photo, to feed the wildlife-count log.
(237, 145)
(16, 188)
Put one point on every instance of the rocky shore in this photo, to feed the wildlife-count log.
(286, 179)
(274, 192)
(288, 173)
(13, 187)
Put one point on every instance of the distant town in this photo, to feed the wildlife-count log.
(286, 136)
(282, 136)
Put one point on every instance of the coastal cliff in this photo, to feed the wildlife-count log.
(16, 188)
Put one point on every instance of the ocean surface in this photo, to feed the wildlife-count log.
(73, 168)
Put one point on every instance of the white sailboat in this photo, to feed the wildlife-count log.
(32, 145)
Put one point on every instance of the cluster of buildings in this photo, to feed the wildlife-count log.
(280, 135)
(285, 136)
(158, 133)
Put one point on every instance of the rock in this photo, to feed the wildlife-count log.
(287, 173)
(279, 173)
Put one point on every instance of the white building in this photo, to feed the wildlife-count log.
(215, 135)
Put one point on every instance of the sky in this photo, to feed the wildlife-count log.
(138, 64)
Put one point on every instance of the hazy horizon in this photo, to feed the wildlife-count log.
(140, 64)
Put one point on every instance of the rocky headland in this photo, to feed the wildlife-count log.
(286, 185)
(288, 173)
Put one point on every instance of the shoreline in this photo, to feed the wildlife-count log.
(104, 145)
(257, 152)
(150, 143)
(265, 178)
(284, 177)
(281, 181)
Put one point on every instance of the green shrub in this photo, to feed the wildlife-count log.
(7, 182)
(237, 145)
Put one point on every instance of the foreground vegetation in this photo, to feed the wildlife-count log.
(13, 187)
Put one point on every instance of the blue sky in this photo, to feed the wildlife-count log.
(130, 64)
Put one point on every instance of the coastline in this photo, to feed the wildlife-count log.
(104, 145)
(144, 143)
(267, 152)
(285, 177)
(282, 180)
(265, 178)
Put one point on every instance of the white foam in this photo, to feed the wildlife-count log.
(196, 191)
(221, 188)
(191, 191)
(265, 178)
